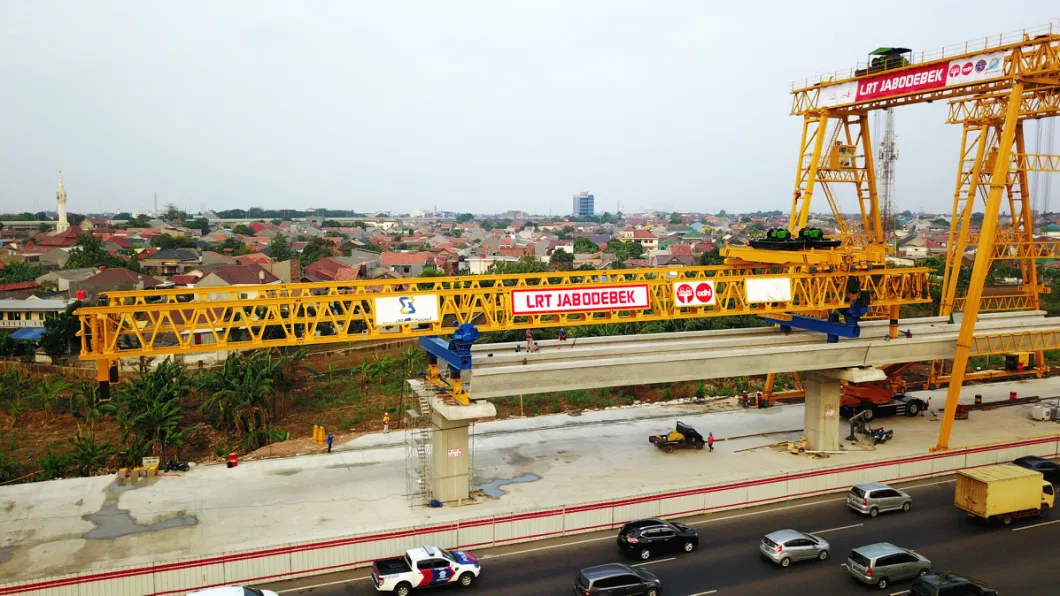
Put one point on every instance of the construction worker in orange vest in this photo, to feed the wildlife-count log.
(386, 422)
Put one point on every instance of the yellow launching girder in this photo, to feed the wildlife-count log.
(180, 321)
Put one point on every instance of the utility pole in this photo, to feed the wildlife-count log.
(888, 157)
(156, 204)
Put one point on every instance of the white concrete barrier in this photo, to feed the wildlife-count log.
(316, 557)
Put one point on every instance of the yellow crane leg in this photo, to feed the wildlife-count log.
(981, 266)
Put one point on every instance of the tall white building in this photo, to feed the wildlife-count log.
(60, 200)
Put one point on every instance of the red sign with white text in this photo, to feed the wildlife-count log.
(581, 299)
(908, 81)
(694, 293)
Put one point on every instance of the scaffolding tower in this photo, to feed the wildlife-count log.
(419, 481)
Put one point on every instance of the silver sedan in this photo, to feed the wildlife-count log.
(786, 546)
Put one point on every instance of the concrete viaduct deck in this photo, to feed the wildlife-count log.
(616, 361)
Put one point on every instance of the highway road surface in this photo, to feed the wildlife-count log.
(1017, 560)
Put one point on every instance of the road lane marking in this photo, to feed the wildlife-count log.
(837, 529)
(800, 505)
(591, 540)
(653, 562)
(540, 548)
(899, 593)
(1055, 521)
(704, 593)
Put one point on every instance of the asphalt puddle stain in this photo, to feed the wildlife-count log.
(493, 489)
(112, 522)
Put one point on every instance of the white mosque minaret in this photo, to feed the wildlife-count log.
(60, 200)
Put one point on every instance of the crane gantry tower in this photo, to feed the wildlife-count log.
(992, 85)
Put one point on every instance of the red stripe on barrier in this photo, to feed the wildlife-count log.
(103, 576)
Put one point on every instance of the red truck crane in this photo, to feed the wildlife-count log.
(881, 398)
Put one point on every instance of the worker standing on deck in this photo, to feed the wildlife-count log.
(529, 340)
(331, 438)
(710, 441)
(386, 422)
(562, 334)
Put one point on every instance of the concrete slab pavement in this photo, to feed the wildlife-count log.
(63, 526)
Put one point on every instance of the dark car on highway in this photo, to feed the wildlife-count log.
(645, 538)
(949, 584)
(1049, 469)
(616, 579)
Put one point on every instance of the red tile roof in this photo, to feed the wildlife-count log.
(643, 235)
(184, 280)
(329, 268)
(254, 259)
(681, 249)
(22, 285)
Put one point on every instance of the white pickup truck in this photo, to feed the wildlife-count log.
(424, 567)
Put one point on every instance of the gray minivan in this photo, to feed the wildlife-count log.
(616, 579)
(875, 497)
(883, 563)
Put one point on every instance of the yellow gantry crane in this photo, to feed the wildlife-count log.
(778, 284)
(993, 86)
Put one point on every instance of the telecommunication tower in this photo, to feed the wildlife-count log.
(888, 157)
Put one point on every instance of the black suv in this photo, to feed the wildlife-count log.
(948, 584)
(646, 537)
(616, 579)
(1049, 469)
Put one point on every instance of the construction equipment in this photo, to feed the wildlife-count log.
(682, 437)
(870, 399)
(882, 59)
(993, 86)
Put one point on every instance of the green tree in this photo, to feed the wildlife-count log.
(676, 219)
(140, 221)
(88, 251)
(89, 456)
(243, 230)
(523, 265)
(240, 395)
(230, 244)
(583, 245)
(44, 227)
(625, 250)
(20, 272)
(123, 216)
(561, 260)
(464, 218)
(149, 411)
(280, 248)
(163, 241)
(711, 257)
(172, 212)
(315, 249)
(60, 333)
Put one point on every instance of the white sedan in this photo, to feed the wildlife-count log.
(233, 591)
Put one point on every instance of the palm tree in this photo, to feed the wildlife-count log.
(47, 391)
(150, 413)
(239, 396)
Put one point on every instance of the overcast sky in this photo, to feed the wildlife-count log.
(471, 106)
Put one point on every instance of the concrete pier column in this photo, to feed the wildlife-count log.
(821, 416)
(450, 453)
